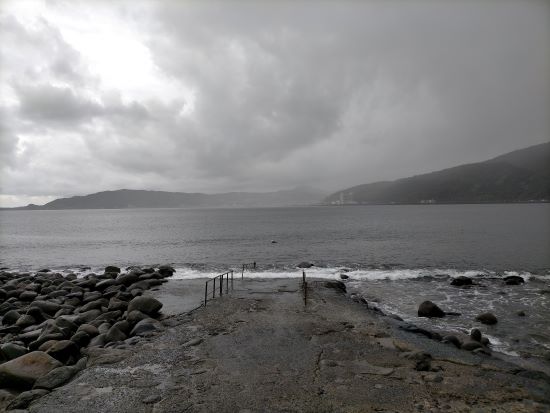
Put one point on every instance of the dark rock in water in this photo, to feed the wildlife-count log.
(10, 351)
(305, 264)
(453, 340)
(23, 400)
(127, 279)
(114, 334)
(475, 335)
(10, 317)
(166, 270)
(344, 276)
(66, 351)
(55, 378)
(147, 305)
(514, 280)
(112, 268)
(485, 341)
(337, 285)
(22, 372)
(461, 280)
(429, 309)
(487, 318)
(521, 313)
(44, 270)
(471, 345)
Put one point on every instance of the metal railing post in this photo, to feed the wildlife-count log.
(231, 279)
(205, 293)
(214, 289)
(221, 285)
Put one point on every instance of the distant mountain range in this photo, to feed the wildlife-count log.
(128, 198)
(519, 176)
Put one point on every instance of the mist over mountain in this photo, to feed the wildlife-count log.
(518, 176)
(128, 198)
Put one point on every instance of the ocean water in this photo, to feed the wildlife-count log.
(395, 256)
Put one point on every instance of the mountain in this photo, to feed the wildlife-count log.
(128, 198)
(519, 176)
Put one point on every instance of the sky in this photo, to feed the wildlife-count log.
(204, 96)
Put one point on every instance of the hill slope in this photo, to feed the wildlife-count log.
(519, 176)
(127, 198)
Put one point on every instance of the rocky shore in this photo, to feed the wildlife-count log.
(53, 323)
(266, 348)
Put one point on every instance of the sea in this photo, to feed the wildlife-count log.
(395, 256)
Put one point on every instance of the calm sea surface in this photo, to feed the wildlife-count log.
(395, 256)
(495, 237)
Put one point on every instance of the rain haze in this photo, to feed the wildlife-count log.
(258, 96)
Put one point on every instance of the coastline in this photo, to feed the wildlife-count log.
(260, 348)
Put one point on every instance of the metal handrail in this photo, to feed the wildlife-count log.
(220, 278)
(248, 265)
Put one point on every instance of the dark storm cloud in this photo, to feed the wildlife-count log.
(268, 95)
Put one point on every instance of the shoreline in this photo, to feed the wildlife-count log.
(261, 348)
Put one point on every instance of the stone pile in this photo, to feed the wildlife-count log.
(50, 320)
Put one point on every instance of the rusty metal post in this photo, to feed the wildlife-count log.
(205, 293)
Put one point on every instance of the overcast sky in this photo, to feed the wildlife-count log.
(257, 96)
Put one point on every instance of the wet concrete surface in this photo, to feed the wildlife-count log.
(262, 349)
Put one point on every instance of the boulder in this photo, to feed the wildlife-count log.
(10, 317)
(117, 304)
(487, 318)
(66, 351)
(521, 313)
(102, 285)
(112, 268)
(114, 334)
(135, 316)
(23, 400)
(22, 372)
(123, 326)
(344, 276)
(147, 305)
(453, 340)
(55, 378)
(475, 335)
(81, 338)
(461, 280)
(89, 329)
(10, 351)
(305, 264)
(25, 321)
(127, 279)
(166, 270)
(94, 305)
(337, 285)
(97, 341)
(87, 316)
(28, 295)
(430, 310)
(145, 327)
(471, 345)
(47, 306)
(514, 280)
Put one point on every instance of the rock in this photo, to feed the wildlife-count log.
(453, 340)
(25, 321)
(94, 305)
(123, 326)
(147, 305)
(87, 316)
(103, 328)
(521, 314)
(429, 309)
(26, 398)
(475, 335)
(44, 270)
(10, 317)
(422, 359)
(66, 351)
(166, 270)
(47, 306)
(117, 304)
(102, 285)
(55, 378)
(37, 313)
(485, 341)
(135, 316)
(337, 285)
(305, 264)
(487, 318)
(461, 280)
(344, 276)
(514, 280)
(97, 341)
(28, 295)
(81, 338)
(89, 329)
(114, 334)
(10, 351)
(127, 279)
(22, 372)
(112, 268)
(144, 327)
(471, 345)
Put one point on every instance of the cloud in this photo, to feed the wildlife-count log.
(206, 96)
